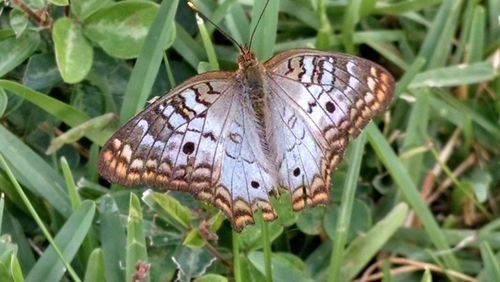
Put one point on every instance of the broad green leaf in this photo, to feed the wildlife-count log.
(59, 2)
(360, 220)
(251, 236)
(18, 21)
(84, 8)
(310, 220)
(169, 209)
(121, 28)
(211, 278)
(285, 267)
(192, 263)
(41, 72)
(13, 51)
(69, 239)
(74, 54)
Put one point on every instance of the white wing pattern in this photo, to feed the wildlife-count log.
(235, 138)
(323, 98)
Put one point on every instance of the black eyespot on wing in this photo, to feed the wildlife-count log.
(330, 107)
(296, 172)
(255, 184)
(188, 148)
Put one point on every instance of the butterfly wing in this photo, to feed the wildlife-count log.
(197, 139)
(322, 99)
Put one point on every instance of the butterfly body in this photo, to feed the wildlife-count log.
(234, 138)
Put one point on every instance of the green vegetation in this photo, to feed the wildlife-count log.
(415, 199)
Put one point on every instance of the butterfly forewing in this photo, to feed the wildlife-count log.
(172, 143)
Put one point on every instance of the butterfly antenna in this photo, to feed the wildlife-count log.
(257, 24)
(225, 34)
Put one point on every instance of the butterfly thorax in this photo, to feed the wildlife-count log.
(252, 75)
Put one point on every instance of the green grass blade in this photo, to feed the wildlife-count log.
(410, 192)
(49, 266)
(344, 218)
(95, 267)
(351, 18)
(416, 136)
(113, 239)
(477, 35)
(265, 32)
(455, 75)
(438, 42)
(149, 60)
(491, 264)
(236, 256)
(62, 111)
(136, 242)
(33, 172)
(364, 247)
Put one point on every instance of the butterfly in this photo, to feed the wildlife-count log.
(234, 139)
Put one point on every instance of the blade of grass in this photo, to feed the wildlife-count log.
(25, 254)
(477, 35)
(415, 136)
(207, 43)
(95, 267)
(491, 265)
(237, 23)
(409, 75)
(187, 47)
(62, 111)
(437, 44)
(401, 7)
(113, 239)
(267, 248)
(410, 192)
(455, 75)
(33, 172)
(136, 241)
(364, 247)
(344, 217)
(74, 198)
(301, 11)
(465, 110)
(351, 18)
(465, 24)
(50, 265)
(265, 32)
(236, 256)
(149, 60)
